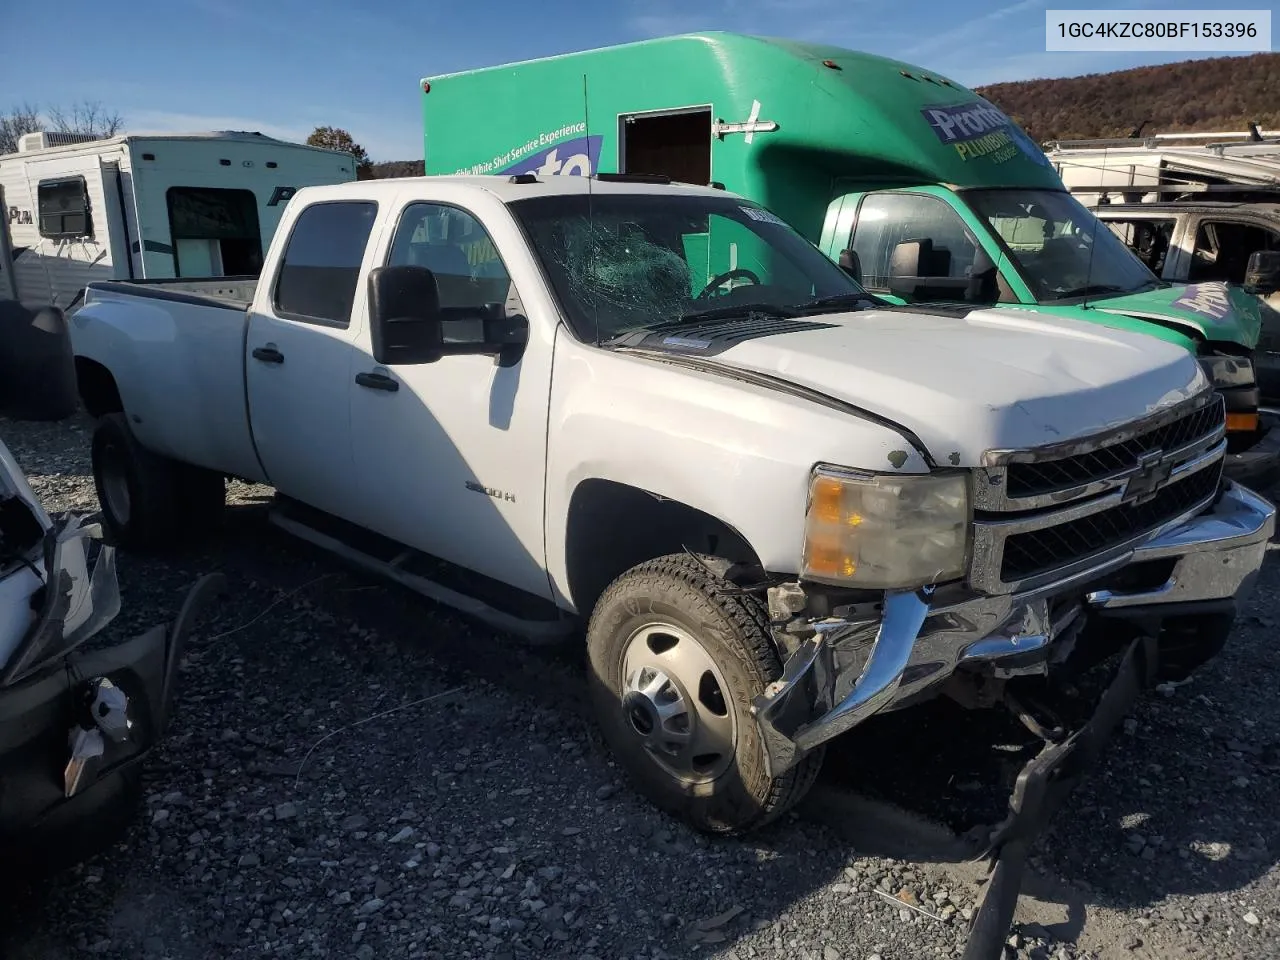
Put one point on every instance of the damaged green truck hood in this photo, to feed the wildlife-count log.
(1188, 314)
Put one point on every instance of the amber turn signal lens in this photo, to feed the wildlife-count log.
(1242, 422)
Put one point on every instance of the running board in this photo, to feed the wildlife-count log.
(535, 631)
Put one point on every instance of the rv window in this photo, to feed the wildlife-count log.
(321, 269)
(64, 209)
(214, 231)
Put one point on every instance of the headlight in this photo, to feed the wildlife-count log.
(1225, 372)
(886, 531)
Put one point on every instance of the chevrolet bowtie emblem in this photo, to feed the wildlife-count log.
(1151, 476)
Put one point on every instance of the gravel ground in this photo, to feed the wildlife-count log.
(353, 772)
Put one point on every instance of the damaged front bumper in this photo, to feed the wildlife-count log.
(74, 723)
(849, 668)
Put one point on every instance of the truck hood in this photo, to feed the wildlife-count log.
(968, 384)
(1205, 311)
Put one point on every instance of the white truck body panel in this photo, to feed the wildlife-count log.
(569, 411)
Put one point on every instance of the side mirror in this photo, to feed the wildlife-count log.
(918, 272)
(37, 364)
(404, 315)
(409, 326)
(1262, 276)
(984, 280)
(851, 265)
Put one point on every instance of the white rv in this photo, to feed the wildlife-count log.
(146, 206)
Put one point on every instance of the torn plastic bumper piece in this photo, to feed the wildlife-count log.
(74, 724)
(1041, 787)
(847, 670)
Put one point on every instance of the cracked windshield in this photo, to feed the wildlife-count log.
(623, 266)
(1061, 250)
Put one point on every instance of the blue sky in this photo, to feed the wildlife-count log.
(285, 66)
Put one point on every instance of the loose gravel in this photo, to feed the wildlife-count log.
(354, 772)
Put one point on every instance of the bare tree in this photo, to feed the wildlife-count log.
(86, 117)
(19, 120)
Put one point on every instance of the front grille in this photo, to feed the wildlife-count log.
(1038, 551)
(1036, 479)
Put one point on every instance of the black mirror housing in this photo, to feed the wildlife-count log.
(404, 315)
(852, 265)
(919, 272)
(1262, 276)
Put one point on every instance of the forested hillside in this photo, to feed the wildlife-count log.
(1223, 93)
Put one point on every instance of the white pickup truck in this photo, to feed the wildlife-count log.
(778, 505)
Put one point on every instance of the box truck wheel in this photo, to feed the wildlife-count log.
(150, 502)
(674, 666)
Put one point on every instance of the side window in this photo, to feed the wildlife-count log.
(321, 265)
(887, 219)
(1148, 239)
(1223, 249)
(470, 276)
(64, 209)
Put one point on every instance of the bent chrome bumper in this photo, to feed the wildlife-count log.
(846, 670)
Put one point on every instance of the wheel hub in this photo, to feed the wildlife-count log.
(674, 702)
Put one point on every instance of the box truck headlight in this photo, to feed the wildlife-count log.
(1228, 373)
(886, 531)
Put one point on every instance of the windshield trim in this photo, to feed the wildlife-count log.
(1015, 264)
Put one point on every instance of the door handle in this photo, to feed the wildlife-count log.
(377, 381)
(268, 355)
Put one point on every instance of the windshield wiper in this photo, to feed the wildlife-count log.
(740, 311)
(837, 301)
(1092, 290)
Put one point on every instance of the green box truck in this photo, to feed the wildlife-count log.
(923, 189)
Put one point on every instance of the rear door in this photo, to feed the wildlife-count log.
(299, 363)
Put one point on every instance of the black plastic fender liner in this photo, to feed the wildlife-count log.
(1042, 786)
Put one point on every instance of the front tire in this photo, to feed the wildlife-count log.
(150, 502)
(675, 664)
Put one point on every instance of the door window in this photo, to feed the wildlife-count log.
(471, 278)
(1223, 248)
(887, 219)
(1149, 239)
(320, 270)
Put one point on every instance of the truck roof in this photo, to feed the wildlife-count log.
(1191, 206)
(504, 189)
(851, 114)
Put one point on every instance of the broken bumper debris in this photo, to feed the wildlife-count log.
(843, 670)
(75, 723)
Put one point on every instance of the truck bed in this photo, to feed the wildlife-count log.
(233, 292)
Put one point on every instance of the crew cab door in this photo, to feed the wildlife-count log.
(452, 454)
(305, 319)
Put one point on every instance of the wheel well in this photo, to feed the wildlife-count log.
(612, 527)
(98, 391)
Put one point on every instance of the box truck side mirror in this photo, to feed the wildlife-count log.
(1262, 276)
(851, 265)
